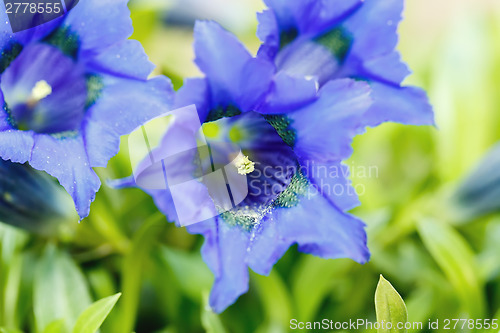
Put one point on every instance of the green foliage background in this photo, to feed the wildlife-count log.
(442, 264)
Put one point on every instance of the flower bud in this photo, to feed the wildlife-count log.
(479, 194)
(31, 199)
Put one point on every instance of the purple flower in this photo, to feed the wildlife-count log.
(70, 88)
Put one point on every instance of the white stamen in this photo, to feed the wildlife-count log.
(41, 90)
(244, 165)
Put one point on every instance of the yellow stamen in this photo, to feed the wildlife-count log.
(244, 165)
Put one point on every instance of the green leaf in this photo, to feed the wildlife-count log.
(390, 307)
(60, 290)
(456, 259)
(93, 317)
(133, 267)
(101, 282)
(8, 330)
(55, 326)
(11, 240)
(276, 300)
(193, 275)
(210, 320)
(313, 278)
(12, 291)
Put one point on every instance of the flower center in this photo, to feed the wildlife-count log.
(45, 90)
(41, 90)
(268, 162)
(244, 165)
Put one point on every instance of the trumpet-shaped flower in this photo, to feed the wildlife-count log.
(326, 70)
(70, 88)
(345, 39)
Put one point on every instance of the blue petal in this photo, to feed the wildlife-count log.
(66, 160)
(124, 59)
(194, 91)
(269, 33)
(16, 145)
(62, 158)
(234, 76)
(307, 58)
(185, 205)
(163, 200)
(289, 13)
(224, 251)
(332, 180)
(288, 93)
(311, 16)
(123, 106)
(99, 24)
(122, 183)
(168, 173)
(321, 229)
(333, 11)
(374, 28)
(26, 36)
(374, 34)
(405, 105)
(388, 67)
(268, 246)
(5, 121)
(6, 34)
(316, 225)
(39, 32)
(305, 17)
(325, 128)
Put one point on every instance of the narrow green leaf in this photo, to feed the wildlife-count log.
(8, 330)
(456, 259)
(12, 291)
(390, 308)
(193, 275)
(133, 267)
(60, 290)
(11, 241)
(210, 320)
(275, 299)
(56, 326)
(92, 318)
(312, 279)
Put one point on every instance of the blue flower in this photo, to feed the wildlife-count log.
(293, 137)
(326, 71)
(70, 88)
(345, 38)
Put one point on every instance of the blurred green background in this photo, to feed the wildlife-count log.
(442, 257)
